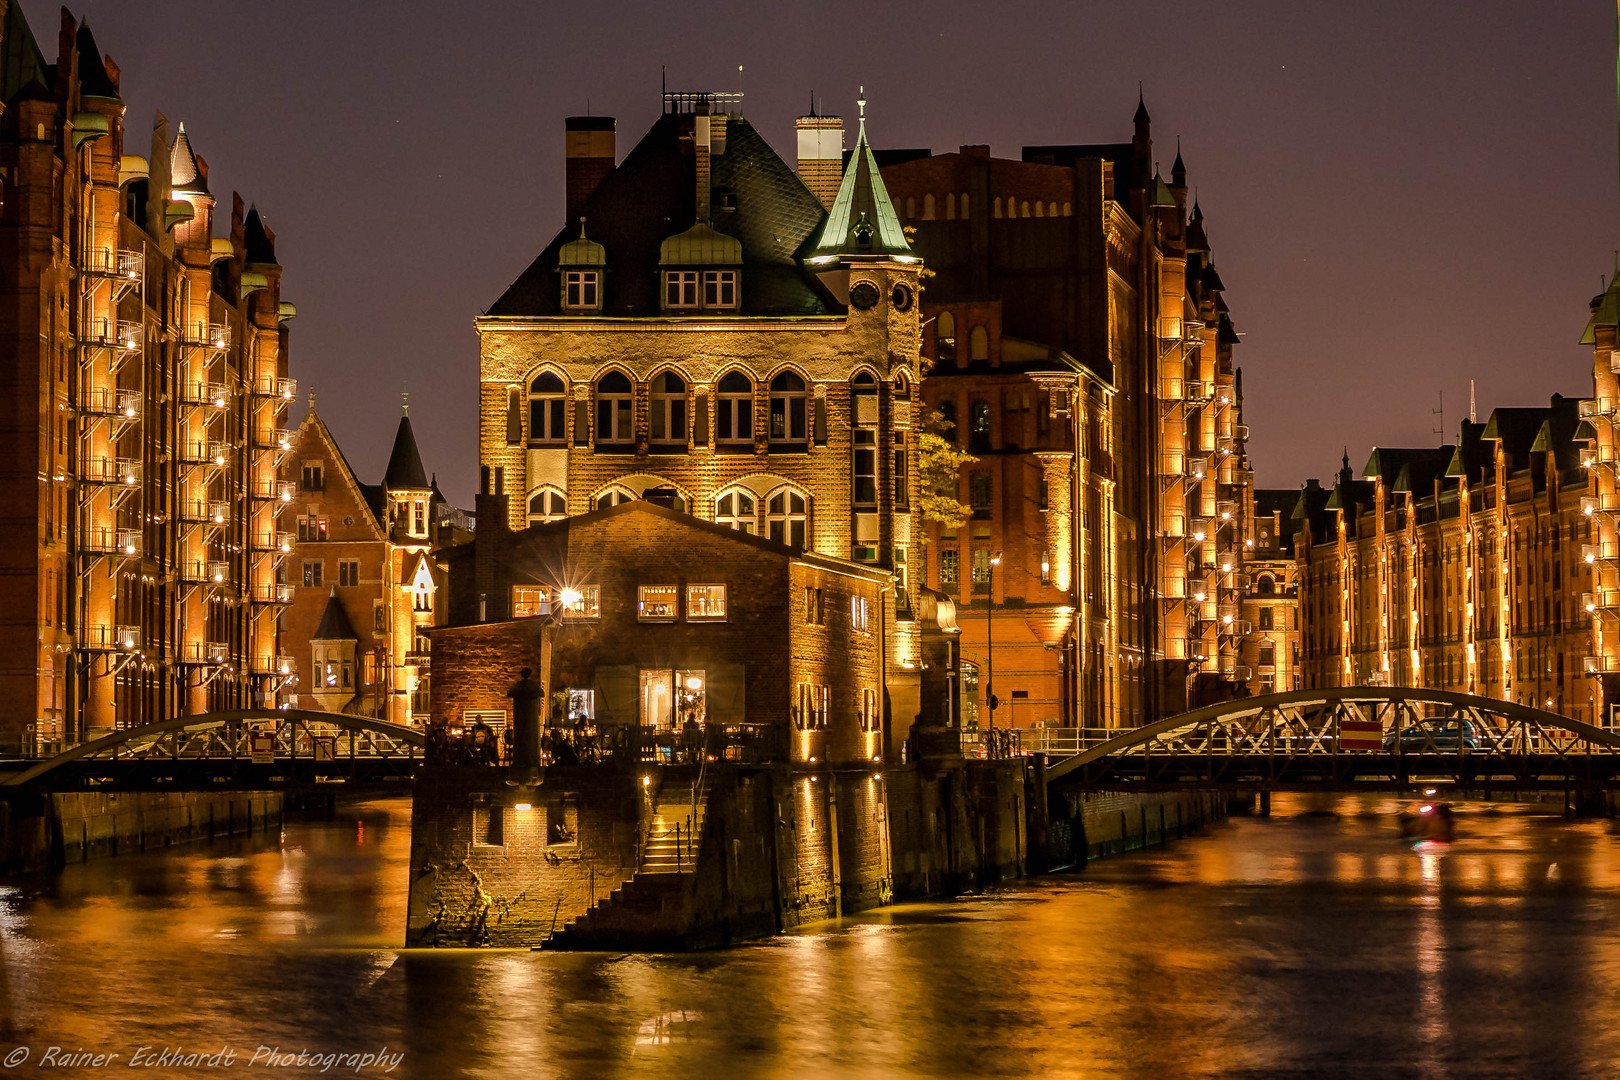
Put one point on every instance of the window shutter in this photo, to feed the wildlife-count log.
(582, 422)
(821, 421)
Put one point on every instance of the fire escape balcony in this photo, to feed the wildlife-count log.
(205, 572)
(206, 335)
(198, 512)
(1200, 529)
(111, 471)
(109, 401)
(205, 395)
(270, 490)
(279, 543)
(208, 653)
(283, 389)
(274, 592)
(1227, 510)
(120, 335)
(213, 455)
(123, 267)
(278, 440)
(1600, 553)
(122, 543)
(1602, 665)
(105, 638)
(1606, 504)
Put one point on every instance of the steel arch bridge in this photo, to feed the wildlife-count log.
(1368, 737)
(260, 748)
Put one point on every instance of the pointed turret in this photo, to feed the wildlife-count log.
(1178, 171)
(1196, 240)
(1141, 119)
(335, 624)
(1605, 309)
(862, 222)
(94, 79)
(22, 65)
(405, 472)
(185, 175)
(258, 242)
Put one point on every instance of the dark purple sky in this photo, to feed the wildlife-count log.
(1401, 195)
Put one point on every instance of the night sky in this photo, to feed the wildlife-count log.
(1401, 196)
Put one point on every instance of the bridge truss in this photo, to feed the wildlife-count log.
(237, 749)
(1352, 737)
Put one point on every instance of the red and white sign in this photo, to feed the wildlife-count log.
(1361, 735)
(262, 747)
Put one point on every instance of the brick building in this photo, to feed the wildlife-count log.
(1466, 567)
(145, 369)
(703, 322)
(640, 615)
(1078, 343)
(367, 582)
(1270, 595)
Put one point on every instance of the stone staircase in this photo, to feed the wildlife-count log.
(648, 908)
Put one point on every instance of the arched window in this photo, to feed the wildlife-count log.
(1068, 209)
(979, 431)
(735, 423)
(1012, 208)
(668, 398)
(950, 206)
(613, 497)
(789, 405)
(979, 344)
(1051, 209)
(547, 504)
(1265, 586)
(902, 386)
(928, 207)
(1023, 210)
(788, 518)
(964, 206)
(995, 207)
(546, 411)
(1040, 211)
(911, 208)
(945, 338)
(736, 509)
(613, 409)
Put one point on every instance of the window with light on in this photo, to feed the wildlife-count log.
(530, 600)
(656, 603)
(706, 603)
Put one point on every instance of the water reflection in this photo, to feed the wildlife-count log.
(1308, 943)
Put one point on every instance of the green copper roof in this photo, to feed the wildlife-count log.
(700, 246)
(862, 221)
(1161, 193)
(581, 251)
(1607, 313)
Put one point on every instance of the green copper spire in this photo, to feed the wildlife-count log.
(862, 222)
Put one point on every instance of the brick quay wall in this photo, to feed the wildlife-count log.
(45, 830)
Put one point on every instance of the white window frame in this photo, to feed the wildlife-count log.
(589, 605)
(700, 604)
(537, 598)
(728, 510)
(736, 411)
(620, 412)
(665, 408)
(552, 413)
(794, 407)
(787, 517)
(681, 290)
(860, 614)
(582, 290)
(555, 505)
(720, 289)
(662, 606)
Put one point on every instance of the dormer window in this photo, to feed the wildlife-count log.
(680, 288)
(720, 288)
(582, 290)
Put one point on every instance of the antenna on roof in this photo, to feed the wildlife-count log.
(1441, 413)
(405, 401)
(1472, 416)
(739, 78)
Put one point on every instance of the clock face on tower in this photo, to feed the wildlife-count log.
(863, 296)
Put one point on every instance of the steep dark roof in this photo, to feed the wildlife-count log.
(258, 242)
(405, 462)
(651, 196)
(335, 625)
(94, 81)
(1268, 501)
(22, 65)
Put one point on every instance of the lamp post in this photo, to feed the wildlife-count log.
(990, 640)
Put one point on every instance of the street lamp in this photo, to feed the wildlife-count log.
(990, 643)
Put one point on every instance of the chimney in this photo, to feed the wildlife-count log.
(821, 155)
(702, 127)
(588, 150)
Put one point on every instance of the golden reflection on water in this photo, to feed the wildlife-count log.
(1312, 942)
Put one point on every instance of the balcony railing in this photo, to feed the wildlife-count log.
(212, 395)
(107, 262)
(207, 335)
(122, 472)
(214, 454)
(274, 490)
(1602, 665)
(205, 652)
(110, 638)
(118, 334)
(110, 401)
(102, 541)
(285, 389)
(273, 541)
(278, 439)
(195, 512)
(273, 593)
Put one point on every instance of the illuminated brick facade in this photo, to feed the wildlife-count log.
(145, 360)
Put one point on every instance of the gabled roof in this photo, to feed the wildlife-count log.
(335, 625)
(651, 196)
(1411, 469)
(376, 506)
(405, 472)
(1605, 311)
(257, 240)
(862, 221)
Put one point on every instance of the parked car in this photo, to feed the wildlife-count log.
(1435, 733)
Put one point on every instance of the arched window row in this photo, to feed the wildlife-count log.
(956, 207)
(1024, 208)
(783, 515)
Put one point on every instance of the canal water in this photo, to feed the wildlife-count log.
(1310, 943)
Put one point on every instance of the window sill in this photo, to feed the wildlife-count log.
(614, 448)
(667, 448)
(788, 447)
(548, 444)
(734, 447)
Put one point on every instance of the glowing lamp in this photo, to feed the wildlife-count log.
(569, 597)
(523, 806)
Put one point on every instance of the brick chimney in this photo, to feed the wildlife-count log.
(821, 155)
(588, 150)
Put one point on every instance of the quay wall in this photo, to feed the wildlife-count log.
(44, 830)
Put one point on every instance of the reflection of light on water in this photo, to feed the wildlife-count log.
(1430, 952)
(662, 1030)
